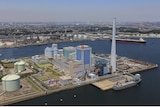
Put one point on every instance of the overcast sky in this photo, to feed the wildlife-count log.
(79, 10)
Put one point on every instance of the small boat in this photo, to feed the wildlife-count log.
(129, 83)
(0, 55)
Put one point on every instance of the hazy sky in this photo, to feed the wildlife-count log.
(79, 10)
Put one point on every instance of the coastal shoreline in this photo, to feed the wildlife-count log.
(58, 41)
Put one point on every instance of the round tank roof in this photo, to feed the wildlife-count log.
(20, 63)
(10, 77)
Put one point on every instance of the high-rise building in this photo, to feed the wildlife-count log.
(51, 51)
(67, 51)
(48, 52)
(55, 50)
(83, 53)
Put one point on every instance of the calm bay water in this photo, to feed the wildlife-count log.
(147, 93)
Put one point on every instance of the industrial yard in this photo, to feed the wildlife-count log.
(47, 81)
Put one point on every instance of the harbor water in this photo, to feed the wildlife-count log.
(146, 93)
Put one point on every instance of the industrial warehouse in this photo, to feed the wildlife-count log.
(61, 69)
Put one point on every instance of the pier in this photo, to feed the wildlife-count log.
(110, 82)
(104, 84)
(124, 65)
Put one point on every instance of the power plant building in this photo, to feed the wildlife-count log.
(67, 51)
(60, 52)
(51, 51)
(55, 50)
(11, 82)
(76, 68)
(48, 52)
(72, 56)
(102, 65)
(83, 53)
(19, 66)
(54, 46)
(72, 67)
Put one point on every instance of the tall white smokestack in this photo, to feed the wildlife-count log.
(113, 48)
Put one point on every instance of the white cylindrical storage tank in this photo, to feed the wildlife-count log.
(11, 82)
(19, 66)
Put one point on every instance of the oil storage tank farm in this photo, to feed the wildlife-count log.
(11, 82)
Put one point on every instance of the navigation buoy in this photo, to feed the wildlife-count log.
(61, 99)
(75, 96)
(45, 103)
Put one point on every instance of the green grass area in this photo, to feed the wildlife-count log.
(32, 64)
(50, 74)
(8, 65)
(53, 74)
(35, 65)
(44, 65)
(33, 84)
(43, 78)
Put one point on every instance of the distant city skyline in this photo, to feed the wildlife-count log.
(79, 10)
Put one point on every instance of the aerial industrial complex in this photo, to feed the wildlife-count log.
(60, 69)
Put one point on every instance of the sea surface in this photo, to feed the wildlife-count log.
(146, 93)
